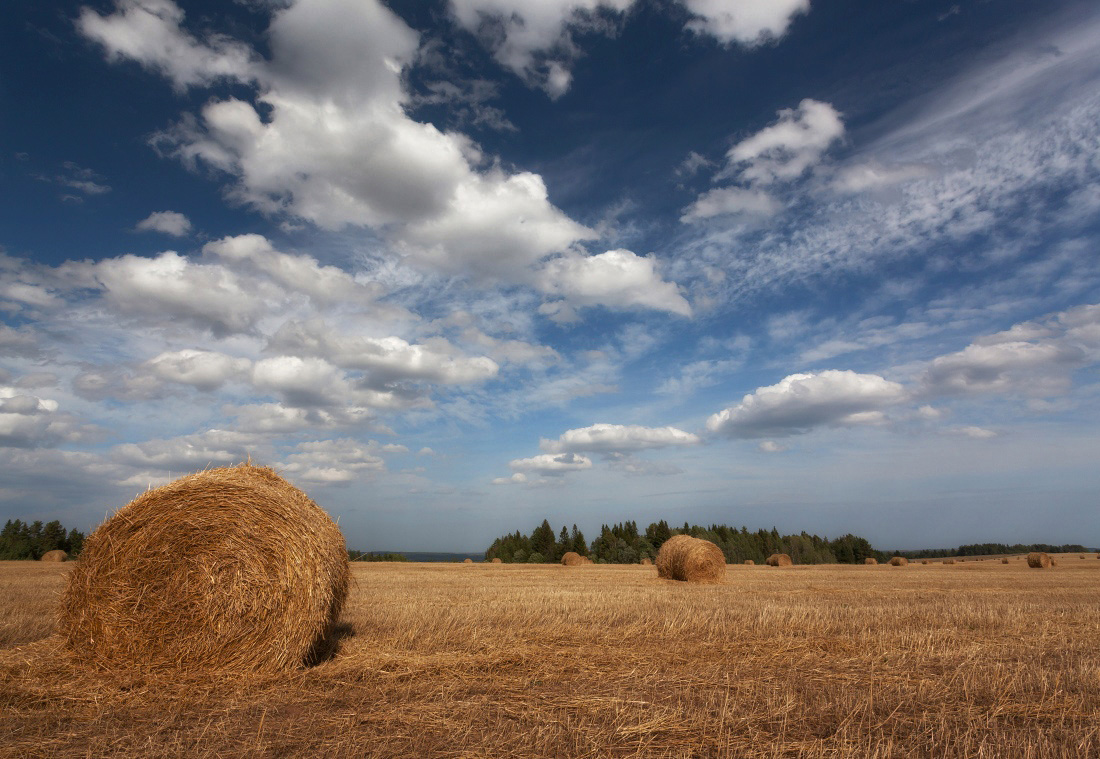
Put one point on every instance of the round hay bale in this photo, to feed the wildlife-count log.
(924, 561)
(1004, 560)
(750, 563)
(496, 561)
(571, 559)
(948, 561)
(779, 560)
(1038, 560)
(226, 569)
(467, 561)
(648, 562)
(689, 559)
(899, 561)
(870, 560)
(58, 555)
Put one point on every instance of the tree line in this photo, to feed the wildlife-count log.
(988, 549)
(22, 540)
(624, 543)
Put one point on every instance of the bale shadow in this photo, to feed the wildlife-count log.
(327, 646)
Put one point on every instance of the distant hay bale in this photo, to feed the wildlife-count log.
(924, 561)
(689, 559)
(586, 560)
(899, 561)
(779, 560)
(226, 569)
(750, 562)
(496, 561)
(1004, 560)
(467, 561)
(1038, 560)
(870, 560)
(948, 561)
(648, 562)
(572, 559)
(58, 555)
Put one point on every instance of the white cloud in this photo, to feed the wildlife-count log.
(204, 370)
(786, 149)
(188, 453)
(770, 446)
(724, 201)
(172, 287)
(617, 279)
(1012, 367)
(976, 433)
(387, 359)
(602, 438)
(337, 148)
(149, 32)
(747, 22)
(801, 402)
(167, 222)
(519, 478)
(333, 461)
(872, 175)
(551, 463)
(533, 38)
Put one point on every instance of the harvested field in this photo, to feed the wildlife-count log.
(441, 660)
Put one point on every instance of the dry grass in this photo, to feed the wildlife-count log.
(537, 661)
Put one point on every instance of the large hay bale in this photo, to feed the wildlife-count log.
(1038, 560)
(924, 561)
(750, 563)
(689, 559)
(1004, 560)
(496, 561)
(55, 555)
(571, 559)
(948, 561)
(870, 560)
(779, 560)
(899, 561)
(226, 569)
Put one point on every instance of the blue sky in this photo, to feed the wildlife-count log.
(454, 267)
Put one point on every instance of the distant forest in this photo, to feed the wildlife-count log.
(22, 540)
(624, 543)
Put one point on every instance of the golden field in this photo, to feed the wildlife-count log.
(978, 659)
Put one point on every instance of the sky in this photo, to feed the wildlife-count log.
(456, 266)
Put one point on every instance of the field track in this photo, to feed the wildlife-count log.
(980, 659)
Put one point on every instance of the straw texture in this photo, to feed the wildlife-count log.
(689, 559)
(899, 561)
(226, 569)
(55, 555)
(1039, 560)
(779, 560)
(571, 559)
(870, 560)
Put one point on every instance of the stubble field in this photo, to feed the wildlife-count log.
(979, 659)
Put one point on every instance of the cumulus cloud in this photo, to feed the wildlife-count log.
(333, 461)
(336, 146)
(149, 32)
(746, 22)
(387, 359)
(1029, 368)
(533, 38)
(801, 402)
(620, 438)
(204, 370)
(617, 278)
(786, 149)
(551, 463)
(188, 453)
(725, 201)
(166, 222)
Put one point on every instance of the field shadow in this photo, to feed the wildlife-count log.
(328, 646)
